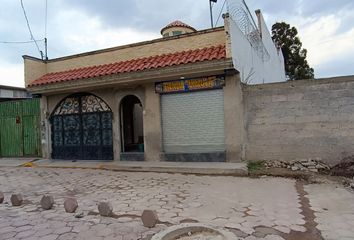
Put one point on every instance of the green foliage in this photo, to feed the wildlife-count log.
(254, 165)
(296, 65)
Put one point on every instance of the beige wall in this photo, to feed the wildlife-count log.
(34, 69)
(300, 120)
(282, 121)
(234, 128)
(127, 53)
(152, 124)
(113, 97)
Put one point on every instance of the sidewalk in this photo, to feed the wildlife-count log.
(207, 168)
(15, 162)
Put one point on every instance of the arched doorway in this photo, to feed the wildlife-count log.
(132, 133)
(81, 127)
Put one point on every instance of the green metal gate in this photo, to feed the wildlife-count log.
(20, 128)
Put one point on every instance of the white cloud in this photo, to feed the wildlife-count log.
(324, 42)
(78, 32)
(11, 74)
(74, 32)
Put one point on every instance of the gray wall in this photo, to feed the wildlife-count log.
(299, 120)
(13, 93)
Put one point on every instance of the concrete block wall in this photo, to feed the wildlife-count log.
(300, 119)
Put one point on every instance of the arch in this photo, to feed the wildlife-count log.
(90, 103)
(132, 127)
(82, 128)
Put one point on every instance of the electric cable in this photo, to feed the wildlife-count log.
(20, 42)
(45, 18)
(29, 28)
(223, 5)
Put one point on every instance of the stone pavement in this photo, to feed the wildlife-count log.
(334, 210)
(264, 208)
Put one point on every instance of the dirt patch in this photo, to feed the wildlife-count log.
(305, 177)
(345, 168)
(312, 233)
(282, 172)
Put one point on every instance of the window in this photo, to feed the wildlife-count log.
(175, 33)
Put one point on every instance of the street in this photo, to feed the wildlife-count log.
(251, 208)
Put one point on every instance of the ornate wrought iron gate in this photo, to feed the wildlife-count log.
(82, 129)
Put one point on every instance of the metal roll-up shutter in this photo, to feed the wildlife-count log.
(193, 122)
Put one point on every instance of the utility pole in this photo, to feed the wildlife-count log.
(46, 49)
(211, 12)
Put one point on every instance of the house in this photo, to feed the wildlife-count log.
(176, 98)
(8, 93)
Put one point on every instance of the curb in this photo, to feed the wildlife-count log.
(241, 172)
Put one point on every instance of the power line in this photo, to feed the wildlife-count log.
(20, 42)
(45, 18)
(45, 31)
(29, 29)
(223, 5)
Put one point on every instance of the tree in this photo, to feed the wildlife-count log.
(296, 65)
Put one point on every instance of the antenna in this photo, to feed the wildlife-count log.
(45, 31)
(211, 12)
(45, 49)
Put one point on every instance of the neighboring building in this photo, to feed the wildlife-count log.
(19, 121)
(176, 98)
(8, 93)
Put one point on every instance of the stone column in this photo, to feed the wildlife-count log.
(152, 124)
(234, 125)
(116, 126)
(45, 128)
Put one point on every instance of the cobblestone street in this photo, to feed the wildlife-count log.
(264, 208)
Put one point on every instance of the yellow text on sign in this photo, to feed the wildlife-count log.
(173, 86)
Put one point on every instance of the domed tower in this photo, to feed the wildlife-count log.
(176, 28)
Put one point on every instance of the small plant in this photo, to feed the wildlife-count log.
(255, 165)
(28, 164)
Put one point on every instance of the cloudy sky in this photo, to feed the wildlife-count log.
(326, 28)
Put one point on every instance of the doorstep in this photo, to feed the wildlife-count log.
(203, 168)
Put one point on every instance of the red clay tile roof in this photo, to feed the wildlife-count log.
(153, 62)
(177, 23)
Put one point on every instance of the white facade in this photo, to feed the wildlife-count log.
(254, 53)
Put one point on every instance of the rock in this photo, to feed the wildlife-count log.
(294, 168)
(149, 218)
(105, 209)
(2, 197)
(347, 183)
(47, 202)
(70, 205)
(319, 166)
(16, 199)
(307, 164)
(79, 215)
(352, 186)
